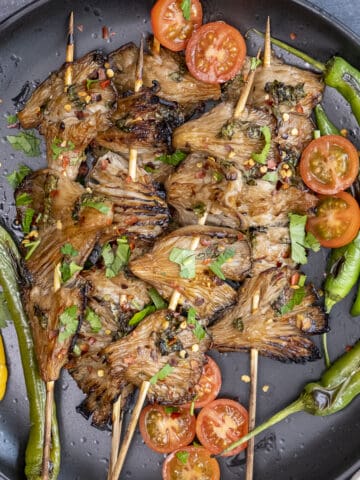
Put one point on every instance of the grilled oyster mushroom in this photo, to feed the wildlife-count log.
(168, 71)
(286, 88)
(216, 133)
(265, 319)
(163, 338)
(71, 120)
(139, 208)
(206, 292)
(106, 320)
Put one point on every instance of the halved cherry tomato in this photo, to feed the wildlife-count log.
(166, 428)
(329, 164)
(170, 26)
(337, 220)
(215, 52)
(191, 463)
(209, 384)
(221, 423)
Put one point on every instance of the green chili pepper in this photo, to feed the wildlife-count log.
(343, 272)
(323, 123)
(35, 387)
(338, 386)
(355, 309)
(338, 73)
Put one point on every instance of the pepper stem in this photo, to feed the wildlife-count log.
(294, 407)
(298, 53)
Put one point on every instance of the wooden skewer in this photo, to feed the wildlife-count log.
(49, 402)
(240, 106)
(254, 354)
(156, 46)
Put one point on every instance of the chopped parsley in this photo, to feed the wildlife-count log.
(186, 9)
(69, 323)
(17, 176)
(299, 240)
(262, 156)
(182, 456)
(174, 159)
(23, 199)
(93, 319)
(185, 259)
(68, 249)
(68, 270)
(215, 266)
(26, 142)
(59, 147)
(161, 374)
(115, 262)
(198, 331)
(27, 220)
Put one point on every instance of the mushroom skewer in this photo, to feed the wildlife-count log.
(254, 354)
(116, 411)
(175, 297)
(51, 383)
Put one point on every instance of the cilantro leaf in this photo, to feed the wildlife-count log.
(173, 159)
(114, 262)
(299, 240)
(186, 9)
(68, 270)
(11, 119)
(215, 266)
(296, 299)
(4, 312)
(185, 259)
(69, 323)
(161, 374)
(17, 176)
(254, 63)
(23, 199)
(138, 316)
(311, 242)
(26, 142)
(68, 249)
(100, 206)
(93, 319)
(182, 456)
(198, 331)
(271, 177)
(27, 219)
(157, 299)
(169, 410)
(262, 156)
(57, 147)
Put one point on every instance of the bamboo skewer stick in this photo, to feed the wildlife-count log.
(49, 402)
(254, 354)
(156, 46)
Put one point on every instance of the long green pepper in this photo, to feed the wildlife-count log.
(35, 387)
(325, 126)
(338, 386)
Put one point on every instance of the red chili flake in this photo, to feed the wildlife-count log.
(293, 35)
(105, 32)
(294, 280)
(348, 348)
(175, 414)
(240, 236)
(80, 27)
(65, 162)
(104, 84)
(54, 193)
(132, 245)
(206, 261)
(128, 179)
(299, 108)
(84, 347)
(201, 174)
(92, 340)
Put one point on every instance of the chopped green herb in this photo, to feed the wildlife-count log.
(185, 259)
(76, 350)
(262, 156)
(69, 322)
(11, 119)
(173, 159)
(17, 176)
(254, 63)
(170, 410)
(90, 83)
(31, 246)
(217, 176)
(270, 177)
(192, 406)
(68, 249)
(215, 266)
(23, 199)
(302, 280)
(150, 169)
(4, 311)
(186, 9)
(161, 374)
(93, 319)
(157, 299)
(100, 206)
(299, 240)
(316, 134)
(115, 262)
(198, 331)
(296, 299)
(199, 209)
(26, 142)
(57, 148)
(182, 456)
(68, 270)
(137, 317)
(27, 219)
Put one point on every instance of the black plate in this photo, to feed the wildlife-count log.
(32, 45)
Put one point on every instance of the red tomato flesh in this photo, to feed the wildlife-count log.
(209, 384)
(191, 463)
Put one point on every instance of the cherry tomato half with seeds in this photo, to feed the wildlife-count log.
(191, 463)
(170, 26)
(209, 384)
(221, 423)
(329, 164)
(166, 428)
(215, 52)
(337, 220)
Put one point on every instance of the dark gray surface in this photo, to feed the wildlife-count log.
(302, 447)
